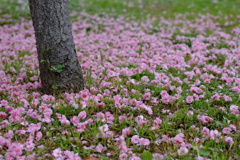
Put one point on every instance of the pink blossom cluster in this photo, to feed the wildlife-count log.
(61, 155)
(204, 119)
(133, 77)
(234, 109)
(140, 141)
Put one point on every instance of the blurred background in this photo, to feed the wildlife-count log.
(13, 10)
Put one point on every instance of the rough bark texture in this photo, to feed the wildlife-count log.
(55, 46)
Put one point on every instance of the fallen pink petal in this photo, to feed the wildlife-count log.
(159, 83)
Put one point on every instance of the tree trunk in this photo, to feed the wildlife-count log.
(59, 68)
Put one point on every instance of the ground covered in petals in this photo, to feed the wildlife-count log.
(153, 91)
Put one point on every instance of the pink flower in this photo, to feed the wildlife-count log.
(121, 118)
(126, 131)
(64, 121)
(108, 134)
(15, 148)
(9, 155)
(3, 115)
(57, 153)
(84, 95)
(227, 98)
(4, 123)
(101, 104)
(204, 119)
(82, 115)
(123, 147)
(197, 140)
(236, 89)
(207, 80)
(157, 156)
(133, 91)
(83, 104)
(103, 128)
(74, 120)
(38, 136)
(47, 112)
(157, 121)
(214, 133)
(147, 96)
(34, 78)
(164, 93)
(205, 130)
(32, 128)
(216, 96)
(189, 99)
(99, 148)
(117, 98)
(179, 139)
(46, 120)
(154, 101)
(2, 141)
(31, 156)
(226, 130)
(190, 113)
(100, 116)
(193, 127)
(166, 99)
(165, 138)
(133, 102)
(29, 146)
(145, 79)
(71, 156)
(9, 108)
(199, 158)
(135, 139)
(134, 157)
(81, 126)
(123, 156)
(111, 73)
(182, 151)
(233, 127)
(4, 103)
(144, 141)
(234, 109)
(21, 132)
(229, 140)
(109, 117)
(195, 90)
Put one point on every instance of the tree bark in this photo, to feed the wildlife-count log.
(60, 70)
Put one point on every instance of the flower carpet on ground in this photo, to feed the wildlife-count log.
(152, 91)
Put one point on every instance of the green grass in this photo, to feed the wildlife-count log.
(152, 8)
(179, 121)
